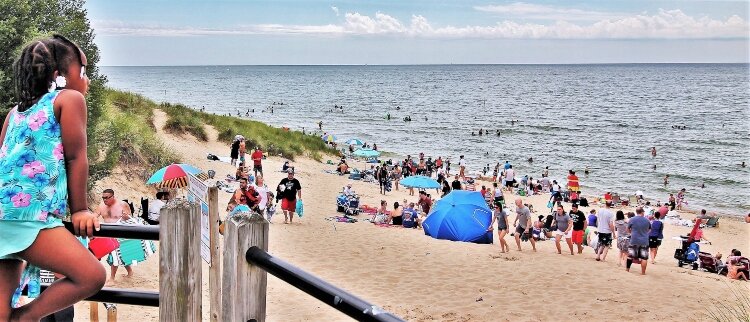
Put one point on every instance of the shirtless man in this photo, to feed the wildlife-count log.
(112, 211)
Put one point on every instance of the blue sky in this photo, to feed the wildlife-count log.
(229, 32)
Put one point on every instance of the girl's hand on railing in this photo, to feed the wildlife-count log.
(84, 223)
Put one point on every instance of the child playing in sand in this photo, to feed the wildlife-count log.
(44, 173)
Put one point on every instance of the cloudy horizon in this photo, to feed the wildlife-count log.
(420, 32)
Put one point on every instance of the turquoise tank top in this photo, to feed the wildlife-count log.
(33, 179)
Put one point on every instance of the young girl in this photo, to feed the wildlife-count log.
(43, 174)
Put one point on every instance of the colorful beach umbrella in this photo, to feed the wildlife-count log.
(173, 175)
(420, 182)
(355, 141)
(460, 216)
(366, 153)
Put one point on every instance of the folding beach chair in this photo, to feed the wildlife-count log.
(712, 222)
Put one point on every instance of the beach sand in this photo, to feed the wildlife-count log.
(423, 279)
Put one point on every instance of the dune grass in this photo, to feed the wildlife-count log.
(122, 138)
(734, 307)
(127, 111)
(275, 141)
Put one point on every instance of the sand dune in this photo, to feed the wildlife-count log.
(424, 279)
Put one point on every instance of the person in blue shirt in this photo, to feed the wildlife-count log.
(410, 217)
(655, 236)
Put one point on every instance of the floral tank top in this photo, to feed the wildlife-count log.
(33, 179)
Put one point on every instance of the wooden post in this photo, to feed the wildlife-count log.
(244, 284)
(94, 311)
(214, 271)
(112, 314)
(180, 278)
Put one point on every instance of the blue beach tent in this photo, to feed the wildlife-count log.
(460, 216)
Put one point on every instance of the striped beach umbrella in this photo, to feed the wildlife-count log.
(173, 176)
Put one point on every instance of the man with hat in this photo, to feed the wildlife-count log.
(289, 190)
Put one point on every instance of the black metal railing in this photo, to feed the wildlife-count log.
(122, 296)
(335, 297)
(118, 295)
(123, 231)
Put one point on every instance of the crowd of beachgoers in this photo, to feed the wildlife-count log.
(633, 226)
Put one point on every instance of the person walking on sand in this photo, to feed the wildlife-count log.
(257, 157)
(564, 229)
(382, 176)
(655, 236)
(289, 191)
(510, 177)
(114, 211)
(605, 225)
(579, 226)
(234, 151)
(639, 229)
(502, 227)
(623, 237)
(523, 225)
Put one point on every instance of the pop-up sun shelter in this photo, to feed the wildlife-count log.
(460, 216)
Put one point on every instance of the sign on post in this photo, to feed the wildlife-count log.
(198, 193)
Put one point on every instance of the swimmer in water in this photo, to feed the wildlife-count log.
(743, 164)
(666, 180)
(586, 170)
(653, 151)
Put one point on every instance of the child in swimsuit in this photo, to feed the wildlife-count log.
(43, 177)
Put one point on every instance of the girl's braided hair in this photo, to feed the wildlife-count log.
(35, 68)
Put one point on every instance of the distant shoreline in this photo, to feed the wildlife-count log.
(446, 64)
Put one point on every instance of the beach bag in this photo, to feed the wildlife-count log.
(550, 204)
(692, 252)
(299, 208)
(102, 246)
(381, 219)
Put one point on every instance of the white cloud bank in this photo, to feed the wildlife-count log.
(536, 11)
(666, 24)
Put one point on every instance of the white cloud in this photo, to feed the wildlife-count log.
(336, 10)
(542, 12)
(666, 24)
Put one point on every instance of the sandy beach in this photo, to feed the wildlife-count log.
(423, 279)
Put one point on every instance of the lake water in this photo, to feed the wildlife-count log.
(606, 117)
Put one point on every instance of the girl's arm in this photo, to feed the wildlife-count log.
(72, 115)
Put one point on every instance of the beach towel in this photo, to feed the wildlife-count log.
(131, 251)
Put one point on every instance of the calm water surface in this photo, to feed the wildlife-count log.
(606, 117)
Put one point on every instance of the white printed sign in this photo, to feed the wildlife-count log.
(46, 277)
(198, 192)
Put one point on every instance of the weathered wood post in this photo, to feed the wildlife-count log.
(112, 314)
(244, 284)
(94, 311)
(180, 278)
(214, 273)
